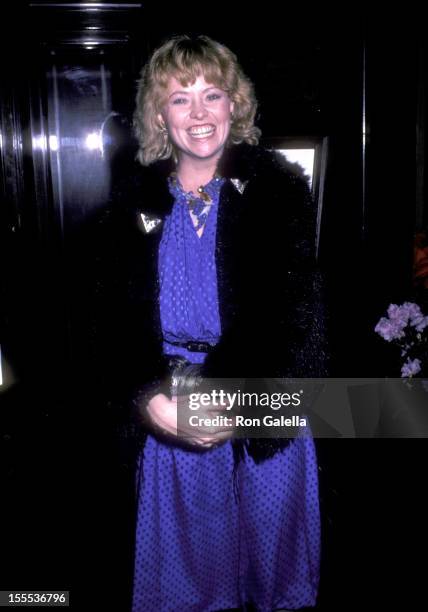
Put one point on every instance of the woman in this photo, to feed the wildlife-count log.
(213, 252)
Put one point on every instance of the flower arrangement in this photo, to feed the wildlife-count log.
(406, 326)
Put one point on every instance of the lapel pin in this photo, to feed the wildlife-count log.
(239, 185)
(149, 222)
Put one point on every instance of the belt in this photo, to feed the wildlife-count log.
(194, 347)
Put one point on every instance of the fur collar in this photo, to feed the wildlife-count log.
(147, 186)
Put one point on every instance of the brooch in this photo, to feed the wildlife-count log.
(239, 185)
(150, 223)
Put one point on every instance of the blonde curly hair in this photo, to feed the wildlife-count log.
(185, 58)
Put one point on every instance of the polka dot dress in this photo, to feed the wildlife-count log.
(187, 276)
(206, 541)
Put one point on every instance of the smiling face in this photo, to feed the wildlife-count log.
(197, 118)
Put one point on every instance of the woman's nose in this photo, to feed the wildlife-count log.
(198, 110)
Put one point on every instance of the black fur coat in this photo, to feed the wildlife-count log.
(270, 299)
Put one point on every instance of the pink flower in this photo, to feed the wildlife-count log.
(411, 367)
(405, 325)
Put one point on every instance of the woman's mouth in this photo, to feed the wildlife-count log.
(201, 131)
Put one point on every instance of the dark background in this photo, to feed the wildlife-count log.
(67, 489)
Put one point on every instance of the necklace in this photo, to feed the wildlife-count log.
(199, 205)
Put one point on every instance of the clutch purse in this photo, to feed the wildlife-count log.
(185, 376)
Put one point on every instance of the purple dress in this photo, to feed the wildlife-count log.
(199, 546)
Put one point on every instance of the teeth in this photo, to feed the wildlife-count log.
(201, 130)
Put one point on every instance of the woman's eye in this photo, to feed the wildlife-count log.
(213, 96)
(179, 101)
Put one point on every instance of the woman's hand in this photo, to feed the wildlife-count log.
(162, 413)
